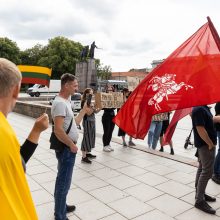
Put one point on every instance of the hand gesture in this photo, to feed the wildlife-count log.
(41, 123)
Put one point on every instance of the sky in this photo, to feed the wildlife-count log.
(130, 33)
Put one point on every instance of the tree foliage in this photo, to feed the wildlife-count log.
(33, 55)
(9, 50)
(61, 54)
(104, 72)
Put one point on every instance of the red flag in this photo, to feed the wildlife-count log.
(189, 77)
(178, 115)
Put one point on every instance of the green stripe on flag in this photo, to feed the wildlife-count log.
(35, 75)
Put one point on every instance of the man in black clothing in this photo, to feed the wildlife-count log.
(205, 140)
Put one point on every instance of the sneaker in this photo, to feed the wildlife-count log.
(86, 160)
(209, 198)
(171, 151)
(205, 207)
(70, 208)
(124, 144)
(216, 179)
(90, 156)
(111, 148)
(106, 149)
(161, 149)
(131, 143)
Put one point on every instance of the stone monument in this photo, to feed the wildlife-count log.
(86, 71)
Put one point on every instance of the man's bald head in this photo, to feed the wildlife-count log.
(10, 76)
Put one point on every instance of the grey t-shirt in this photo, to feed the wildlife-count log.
(62, 107)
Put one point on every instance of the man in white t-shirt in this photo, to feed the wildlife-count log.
(64, 120)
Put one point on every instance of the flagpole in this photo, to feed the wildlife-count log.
(214, 33)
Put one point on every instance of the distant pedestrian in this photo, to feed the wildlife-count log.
(165, 125)
(155, 129)
(108, 125)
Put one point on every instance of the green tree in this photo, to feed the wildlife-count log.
(33, 55)
(104, 72)
(9, 50)
(61, 54)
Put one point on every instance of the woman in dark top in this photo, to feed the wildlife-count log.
(89, 129)
(108, 125)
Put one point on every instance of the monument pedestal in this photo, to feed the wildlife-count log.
(86, 74)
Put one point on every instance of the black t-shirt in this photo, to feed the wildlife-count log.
(109, 112)
(201, 116)
(217, 112)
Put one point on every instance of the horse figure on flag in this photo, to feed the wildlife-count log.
(164, 86)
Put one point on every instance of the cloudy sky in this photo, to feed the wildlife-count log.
(131, 33)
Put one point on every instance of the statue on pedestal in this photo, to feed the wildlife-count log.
(84, 53)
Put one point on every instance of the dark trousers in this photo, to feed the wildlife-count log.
(66, 161)
(205, 171)
(108, 127)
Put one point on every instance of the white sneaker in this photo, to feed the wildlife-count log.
(111, 148)
(106, 149)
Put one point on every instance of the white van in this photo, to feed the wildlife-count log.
(37, 89)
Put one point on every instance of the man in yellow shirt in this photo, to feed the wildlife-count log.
(15, 197)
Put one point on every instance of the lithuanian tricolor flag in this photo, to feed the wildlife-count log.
(35, 74)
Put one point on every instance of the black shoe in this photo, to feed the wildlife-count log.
(70, 208)
(91, 156)
(216, 179)
(209, 198)
(86, 160)
(205, 207)
(161, 149)
(171, 151)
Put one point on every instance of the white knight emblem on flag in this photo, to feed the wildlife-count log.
(164, 86)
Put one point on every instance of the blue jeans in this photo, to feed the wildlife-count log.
(217, 158)
(66, 161)
(154, 133)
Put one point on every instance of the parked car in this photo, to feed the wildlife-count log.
(75, 101)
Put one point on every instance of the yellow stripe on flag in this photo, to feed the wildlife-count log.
(35, 69)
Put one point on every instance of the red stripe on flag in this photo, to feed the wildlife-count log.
(36, 81)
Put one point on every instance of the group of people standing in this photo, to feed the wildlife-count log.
(15, 196)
